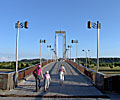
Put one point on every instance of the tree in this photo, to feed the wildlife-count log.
(22, 65)
(27, 65)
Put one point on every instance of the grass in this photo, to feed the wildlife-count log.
(6, 70)
(111, 72)
(108, 70)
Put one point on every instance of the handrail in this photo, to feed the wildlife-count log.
(26, 68)
(18, 70)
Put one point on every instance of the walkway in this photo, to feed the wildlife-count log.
(76, 86)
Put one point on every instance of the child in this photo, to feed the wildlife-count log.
(47, 80)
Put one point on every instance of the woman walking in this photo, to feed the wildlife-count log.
(38, 76)
(61, 73)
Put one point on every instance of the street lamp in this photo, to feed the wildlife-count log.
(86, 56)
(67, 52)
(70, 46)
(96, 26)
(48, 46)
(75, 41)
(18, 25)
(41, 41)
(52, 53)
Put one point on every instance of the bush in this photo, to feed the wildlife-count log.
(27, 65)
(117, 64)
(111, 66)
(22, 65)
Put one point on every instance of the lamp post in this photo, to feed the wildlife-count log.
(89, 60)
(52, 53)
(41, 41)
(70, 46)
(67, 52)
(18, 25)
(48, 46)
(75, 41)
(96, 26)
(86, 56)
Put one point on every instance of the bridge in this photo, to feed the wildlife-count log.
(80, 82)
(76, 86)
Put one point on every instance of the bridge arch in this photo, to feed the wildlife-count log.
(64, 33)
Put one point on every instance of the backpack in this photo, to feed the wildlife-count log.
(35, 73)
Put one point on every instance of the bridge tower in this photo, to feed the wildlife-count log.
(56, 43)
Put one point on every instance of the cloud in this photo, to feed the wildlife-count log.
(4, 58)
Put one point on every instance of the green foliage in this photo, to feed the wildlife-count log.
(111, 66)
(27, 65)
(21, 64)
(117, 64)
(103, 62)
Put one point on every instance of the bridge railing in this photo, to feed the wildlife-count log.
(7, 80)
(104, 82)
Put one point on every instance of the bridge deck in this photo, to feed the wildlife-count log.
(75, 85)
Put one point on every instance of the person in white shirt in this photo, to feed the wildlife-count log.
(61, 73)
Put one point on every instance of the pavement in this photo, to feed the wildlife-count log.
(76, 87)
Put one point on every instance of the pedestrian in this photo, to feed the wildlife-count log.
(61, 74)
(47, 80)
(38, 76)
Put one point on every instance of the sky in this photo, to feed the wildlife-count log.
(47, 16)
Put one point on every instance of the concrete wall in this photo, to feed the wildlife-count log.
(99, 81)
(3, 80)
(7, 81)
